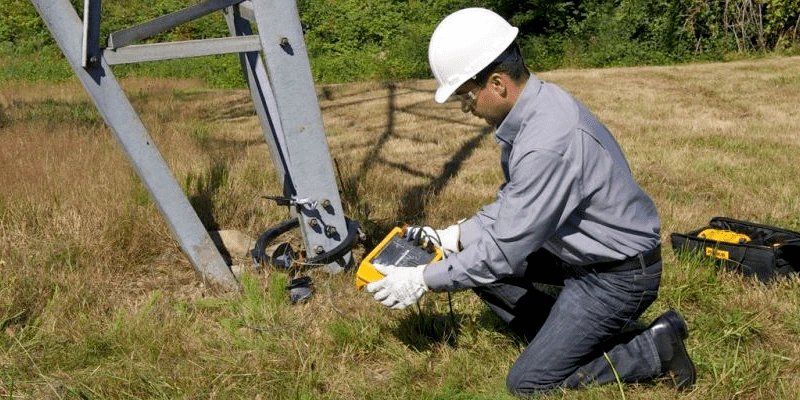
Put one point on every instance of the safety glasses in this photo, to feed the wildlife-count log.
(468, 99)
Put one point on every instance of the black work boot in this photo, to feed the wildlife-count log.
(668, 332)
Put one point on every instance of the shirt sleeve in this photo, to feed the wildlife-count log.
(471, 228)
(543, 190)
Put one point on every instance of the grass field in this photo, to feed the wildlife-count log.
(97, 300)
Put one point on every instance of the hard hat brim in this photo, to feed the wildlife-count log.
(445, 92)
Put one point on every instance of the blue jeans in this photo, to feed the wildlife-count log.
(581, 332)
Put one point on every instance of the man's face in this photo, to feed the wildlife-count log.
(481, 101)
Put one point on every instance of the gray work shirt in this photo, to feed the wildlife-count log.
(568, 189)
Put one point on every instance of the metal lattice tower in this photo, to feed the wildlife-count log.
(275, 63)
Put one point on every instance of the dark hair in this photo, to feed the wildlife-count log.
(509, 62)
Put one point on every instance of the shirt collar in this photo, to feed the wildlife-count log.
(510, 126)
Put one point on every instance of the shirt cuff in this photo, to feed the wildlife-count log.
(437, 278)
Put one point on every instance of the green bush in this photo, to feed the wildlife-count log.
(21, 27)
(372, 39)
(350, 40)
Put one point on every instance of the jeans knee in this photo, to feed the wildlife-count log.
(514, 383)
(523, 382)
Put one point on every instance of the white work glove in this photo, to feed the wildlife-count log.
(446, 239)
(401, 286)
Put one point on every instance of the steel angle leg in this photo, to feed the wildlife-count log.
(263, 100)
(90, 51)
(307, 158)
(109, 98)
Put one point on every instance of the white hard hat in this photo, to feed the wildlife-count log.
(465, 43)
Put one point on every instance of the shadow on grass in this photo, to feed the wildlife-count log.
(422, 330)
(414, 199)
(232, 109)
(202, 189)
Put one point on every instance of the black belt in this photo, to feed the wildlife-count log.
(638, 261)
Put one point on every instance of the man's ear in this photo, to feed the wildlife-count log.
(499, 84)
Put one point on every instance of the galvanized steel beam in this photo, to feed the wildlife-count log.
(322, 220)
(283, 93)
(112, 103)
(183, 49)
(246, 11)
(263, 100)
(90, 50)
(166, 22)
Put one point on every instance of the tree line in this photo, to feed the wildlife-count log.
(387, 39)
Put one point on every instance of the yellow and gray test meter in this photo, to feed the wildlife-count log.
(395, 249)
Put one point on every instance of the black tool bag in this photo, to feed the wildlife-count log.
(768, 251)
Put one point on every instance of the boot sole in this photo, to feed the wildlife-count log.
(679, 325)
(686, 382)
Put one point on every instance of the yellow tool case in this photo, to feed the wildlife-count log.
(752, 249)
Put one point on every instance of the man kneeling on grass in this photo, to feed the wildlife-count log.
(570, 214)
